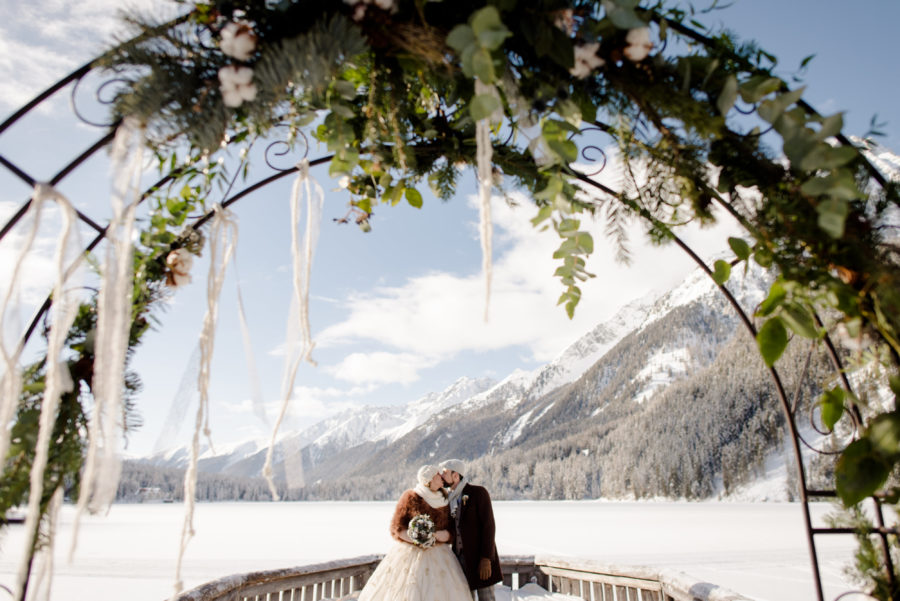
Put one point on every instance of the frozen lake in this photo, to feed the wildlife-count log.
(757, 549)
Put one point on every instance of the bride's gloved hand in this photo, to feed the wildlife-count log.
(442, 536)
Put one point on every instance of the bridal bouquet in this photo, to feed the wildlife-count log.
(421, 530)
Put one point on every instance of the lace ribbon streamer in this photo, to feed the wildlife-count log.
(222, 241)
(295, 353)
(56, 379)
(103, 464)
(484, 154)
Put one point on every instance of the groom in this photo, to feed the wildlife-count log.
(473, 516)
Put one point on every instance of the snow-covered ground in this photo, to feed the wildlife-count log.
(757, 549)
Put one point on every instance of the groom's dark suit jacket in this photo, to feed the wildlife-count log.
(476, 526)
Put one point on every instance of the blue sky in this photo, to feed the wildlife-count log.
(396, 313)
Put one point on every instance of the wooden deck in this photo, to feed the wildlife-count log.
(589, 580)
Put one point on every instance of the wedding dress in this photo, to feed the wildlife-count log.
(410, 573)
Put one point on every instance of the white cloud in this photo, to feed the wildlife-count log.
(381, 368)
(310, 401)
(438, 315)
(41, 42)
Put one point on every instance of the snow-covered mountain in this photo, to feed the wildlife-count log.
(333, 435)
(604, 379)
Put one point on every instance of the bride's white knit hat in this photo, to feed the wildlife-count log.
(426, 473)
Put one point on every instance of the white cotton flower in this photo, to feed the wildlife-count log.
(238, 40)
(179, 262)
(639, 44)
(586, 60)
(236, 85)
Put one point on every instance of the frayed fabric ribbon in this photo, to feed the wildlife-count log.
(297, 351)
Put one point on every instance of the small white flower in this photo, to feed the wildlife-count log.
(639, 44)
(238, 40)
(236, 85)
(586, 60)
(344, 182)
(179, 262)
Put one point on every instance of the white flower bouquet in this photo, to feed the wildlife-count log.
(421, 530)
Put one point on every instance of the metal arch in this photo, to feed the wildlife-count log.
(806, 492)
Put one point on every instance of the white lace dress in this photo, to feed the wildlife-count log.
(411, 573)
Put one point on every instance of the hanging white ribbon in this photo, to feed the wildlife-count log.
(103, 464)
(298, 351)
(484, 154)
(57, 380)
(222, 241)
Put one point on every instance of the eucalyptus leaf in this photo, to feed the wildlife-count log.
(758, 87)
(771, 110)
(728, 95)
(568, 226)
(777, 295)
(831, 404)
(487, 20)
(549, 192)
(859, 472)
(839, 185)
(763, 256)
(721, 272)
(823, 156)
(566, 150)
(884, 432)
(833, 216)
(798, 319)
(772, 339)
(483, 105)
(346, 89)
(740, 248)
(461, 37)
(585, 242)
(414, 197)
(544, 213)
(395, 195)
(483, 65)
(343, 110)
(831, 126)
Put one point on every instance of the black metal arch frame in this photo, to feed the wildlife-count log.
(789, 406)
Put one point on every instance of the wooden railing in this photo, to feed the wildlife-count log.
(331, 580)
(589, 580)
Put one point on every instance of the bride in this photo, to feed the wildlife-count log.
(413, 572)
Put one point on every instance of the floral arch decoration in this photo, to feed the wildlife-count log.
(403, 93)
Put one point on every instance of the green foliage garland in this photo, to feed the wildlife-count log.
(389, 87)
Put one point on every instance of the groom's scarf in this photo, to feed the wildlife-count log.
(455, 494)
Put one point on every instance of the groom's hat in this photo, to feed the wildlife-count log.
(453, 465)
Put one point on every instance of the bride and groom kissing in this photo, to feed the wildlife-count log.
(456, 559)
